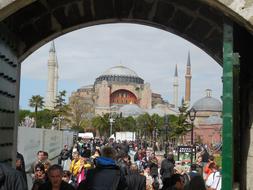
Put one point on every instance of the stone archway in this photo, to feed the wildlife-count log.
(123, 96)
(26, 25)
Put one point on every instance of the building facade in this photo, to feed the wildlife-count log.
(120, 86)
(208, 121)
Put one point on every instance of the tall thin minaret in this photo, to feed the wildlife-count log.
(52, 85)
(188, 77)
(175, 88)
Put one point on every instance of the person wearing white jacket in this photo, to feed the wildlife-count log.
(214, 179)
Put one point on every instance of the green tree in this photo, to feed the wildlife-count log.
(61, 110)
(36, 102)
(45, 118)
(81, 113)
(23, 114)
(125, 124)
(101, 123)
(148, 123)
(61, 107)
(179, 125)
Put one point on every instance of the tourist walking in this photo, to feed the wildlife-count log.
(135, 181)
(11, 179)
(213, 181)
(167, 170)
(39, 176)
(64, 158)
(75, 166)
(107, 175)
(55, 174)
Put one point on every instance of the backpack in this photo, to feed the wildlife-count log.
(114, 185)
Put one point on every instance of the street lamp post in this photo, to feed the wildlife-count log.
(155, 136)
(60, 118)
(192, 115)
(166, 122)
(111, 120)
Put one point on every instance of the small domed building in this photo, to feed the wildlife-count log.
(206, 107)
(208, 122)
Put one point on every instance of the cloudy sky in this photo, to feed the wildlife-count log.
(152, 53)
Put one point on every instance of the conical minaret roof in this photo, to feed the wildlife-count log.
(52, 48)
(176, 73)
(188, 77)
(189, 59)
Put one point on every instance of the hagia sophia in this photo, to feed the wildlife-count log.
(120, 90)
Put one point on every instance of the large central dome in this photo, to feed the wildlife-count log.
(120, 74)
(120, 71)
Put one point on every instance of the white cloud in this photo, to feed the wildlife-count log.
(152, 53)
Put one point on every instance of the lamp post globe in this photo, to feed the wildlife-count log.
(192, 114)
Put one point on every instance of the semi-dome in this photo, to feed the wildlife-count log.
(208, 103)
(157, 111)
(120, 74)
(130, 110)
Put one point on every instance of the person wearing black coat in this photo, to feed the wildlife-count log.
(107, 175)
(153, 164)
(64, 155)
(21, 166)
(55, 174)
(135, 181)
(11, 179)
(167, 170)
(124, 163)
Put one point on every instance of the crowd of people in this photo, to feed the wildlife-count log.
(101, 165)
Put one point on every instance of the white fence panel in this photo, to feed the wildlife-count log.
(122, 136)
(30, 141)
(52, 142)
(68, 138)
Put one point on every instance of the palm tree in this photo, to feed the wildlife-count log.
(125, 124)
(101, 123)
(149, 123)
(36, 102)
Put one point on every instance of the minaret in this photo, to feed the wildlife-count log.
(175, 88)
(52, 85)
(56, 74)
(188, 77)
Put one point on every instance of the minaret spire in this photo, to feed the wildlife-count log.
(175, 88)
(189, 60)
(52, 85)
(188, 77)
(52, 48)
